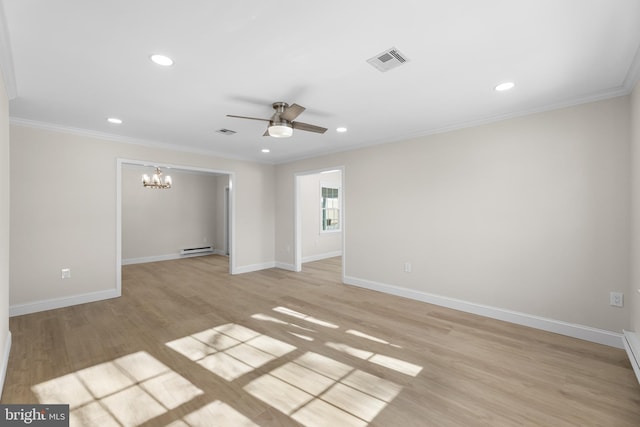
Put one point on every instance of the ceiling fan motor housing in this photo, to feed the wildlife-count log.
(280, 106)
(279, 127)
(282, 124)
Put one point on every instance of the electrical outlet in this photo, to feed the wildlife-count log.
(65, 273)
(616, 299)
(407, 267)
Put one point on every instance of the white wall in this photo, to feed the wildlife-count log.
(63, 209)
(5, 335)
(528, 215)
(157, 224)
(317, 245)
(634, 291)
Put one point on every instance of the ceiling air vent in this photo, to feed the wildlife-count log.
(226, 131)
(390, 58)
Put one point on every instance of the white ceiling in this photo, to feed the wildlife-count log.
(77, 62)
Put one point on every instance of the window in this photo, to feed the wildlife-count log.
(329, 207)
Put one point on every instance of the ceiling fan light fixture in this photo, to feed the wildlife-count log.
(282, 124)
(280, 130)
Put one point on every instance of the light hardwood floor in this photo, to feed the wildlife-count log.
(187, 345)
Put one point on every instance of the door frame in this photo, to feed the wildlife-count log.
(231, 208)
(297, 233)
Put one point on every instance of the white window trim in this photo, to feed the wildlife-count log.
(339, 188)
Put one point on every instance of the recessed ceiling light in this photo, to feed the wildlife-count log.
(165, 61)
(341, 129)
(505, 86)
(266, 150)
(114, 120)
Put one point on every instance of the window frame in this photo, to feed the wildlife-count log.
(323, 209)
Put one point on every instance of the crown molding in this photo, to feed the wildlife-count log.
(633, 75)
(6, 57)
(124, 139)
(572, 102)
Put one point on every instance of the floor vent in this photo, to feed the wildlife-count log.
(198, 250)
(387, 60)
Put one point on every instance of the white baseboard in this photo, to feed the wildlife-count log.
(37, 306)
(220, 252)
(632, 346)
(587, 333)
(285, 266)
(319, 257)
(156, 258)
(5, 361)
(168, 257)
(254, 267)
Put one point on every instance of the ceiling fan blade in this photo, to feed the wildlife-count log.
(308, 127)
(245, 117)
(291, 112)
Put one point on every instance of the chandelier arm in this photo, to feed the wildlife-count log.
(156, 181)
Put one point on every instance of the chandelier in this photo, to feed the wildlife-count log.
(157, 180)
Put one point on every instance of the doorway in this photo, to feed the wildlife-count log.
(319, 215)
(227, 228)
(219, 234)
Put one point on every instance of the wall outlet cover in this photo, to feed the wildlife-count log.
(616, 299)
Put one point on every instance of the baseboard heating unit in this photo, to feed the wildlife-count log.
(197, 250)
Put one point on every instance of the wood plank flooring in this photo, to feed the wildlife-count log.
(188, 345)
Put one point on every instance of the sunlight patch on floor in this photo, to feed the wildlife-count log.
(310, 319)
(230, 350)
(352, 351)
(215, 413)
(312, 389)
(302, 337)
(370, 337)
(267, 318)
(129, 391)
(379, 359)
(316, 390)
(396, 364)
(320, 414)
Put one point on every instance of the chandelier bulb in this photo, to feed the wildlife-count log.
(156, 180)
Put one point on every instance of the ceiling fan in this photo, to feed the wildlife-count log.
(281, 124)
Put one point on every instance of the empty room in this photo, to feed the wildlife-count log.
(280, 213)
